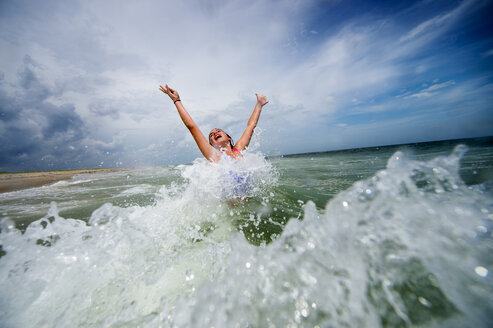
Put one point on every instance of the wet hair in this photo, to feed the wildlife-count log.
(230, 139)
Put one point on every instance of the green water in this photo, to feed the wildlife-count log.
(397, 236)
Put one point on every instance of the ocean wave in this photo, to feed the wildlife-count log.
(409, 246)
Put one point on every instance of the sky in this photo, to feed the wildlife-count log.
(79, 79)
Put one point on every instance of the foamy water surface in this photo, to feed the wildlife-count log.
(371, 239)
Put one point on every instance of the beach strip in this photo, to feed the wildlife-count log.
(23, 180)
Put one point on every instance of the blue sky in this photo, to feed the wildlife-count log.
(79, 79)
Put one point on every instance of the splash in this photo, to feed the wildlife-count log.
(408, 247)
(136, 260)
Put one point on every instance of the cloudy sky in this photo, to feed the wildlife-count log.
(79, 79)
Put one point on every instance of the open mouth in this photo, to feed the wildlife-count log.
(215, 136)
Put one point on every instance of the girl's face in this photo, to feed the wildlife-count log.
(218, 138)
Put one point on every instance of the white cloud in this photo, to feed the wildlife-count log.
(436, 25)
(431, 90)
(488, 53)
(107, 58)
(440, 86)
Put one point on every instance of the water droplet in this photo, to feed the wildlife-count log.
(481, 271)
(345, 204)
(248, 265)
(189, 275)
(424, 301)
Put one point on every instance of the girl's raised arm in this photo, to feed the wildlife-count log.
(244, 141)
(206, 149)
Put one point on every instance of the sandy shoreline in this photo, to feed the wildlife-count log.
(17, 181)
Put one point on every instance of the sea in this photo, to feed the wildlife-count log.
(394, 236)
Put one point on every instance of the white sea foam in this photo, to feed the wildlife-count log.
(402, 248)
(133, 259)
(64, 183)
(136, 190)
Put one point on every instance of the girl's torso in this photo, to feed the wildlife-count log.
(235, 153)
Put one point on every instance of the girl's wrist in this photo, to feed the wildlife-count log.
(174, 102)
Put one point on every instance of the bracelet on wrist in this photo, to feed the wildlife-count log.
(174, 102)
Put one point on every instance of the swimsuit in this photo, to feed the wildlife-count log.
(238, 181)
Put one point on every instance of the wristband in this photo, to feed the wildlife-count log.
(174, 102)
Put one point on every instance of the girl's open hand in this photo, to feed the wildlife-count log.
(261, 100)
(173, 94)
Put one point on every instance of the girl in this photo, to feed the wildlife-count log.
(219, 141)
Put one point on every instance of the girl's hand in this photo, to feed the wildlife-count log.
(261, 100)
(173, 94)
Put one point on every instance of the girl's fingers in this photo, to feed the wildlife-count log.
(163, 89)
